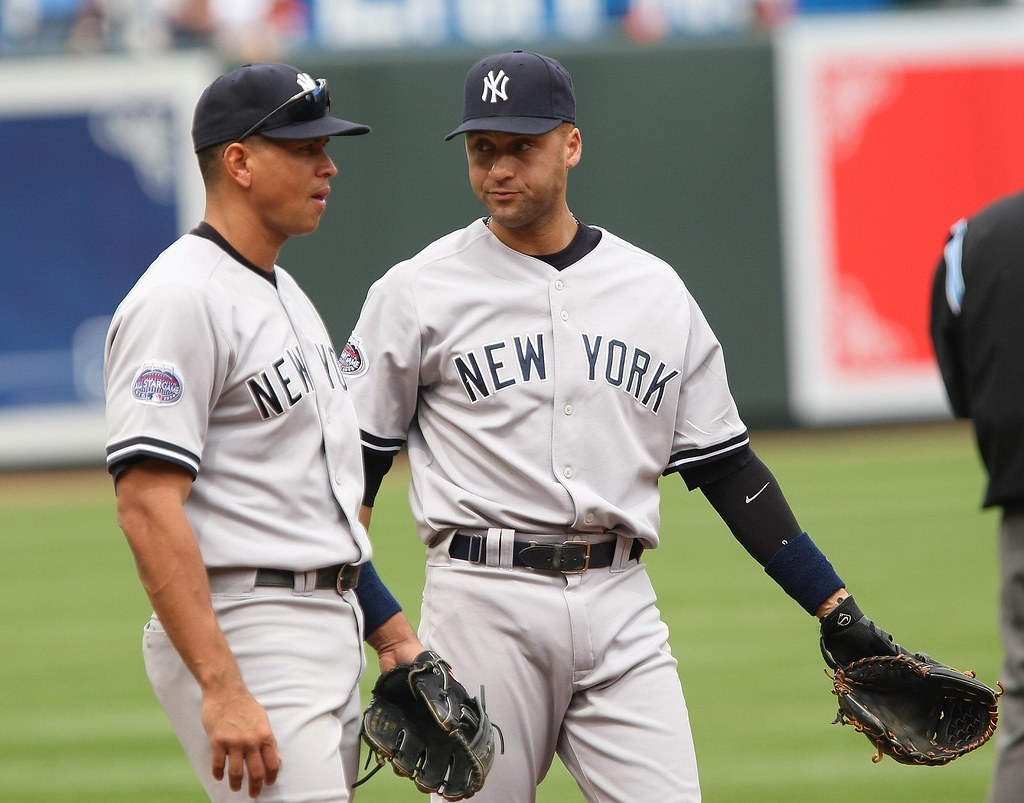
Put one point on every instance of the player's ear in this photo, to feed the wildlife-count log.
(236, 163)
(574, 147)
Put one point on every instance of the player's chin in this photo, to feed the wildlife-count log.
(511, 216)
(306, 225)
(311, 219)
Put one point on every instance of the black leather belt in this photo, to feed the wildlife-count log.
(568, 557)
(343, 577)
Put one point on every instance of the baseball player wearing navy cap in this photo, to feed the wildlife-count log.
(544, 374)
(231, 438)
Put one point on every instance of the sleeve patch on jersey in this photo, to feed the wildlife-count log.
(157, 383)
(352, 359)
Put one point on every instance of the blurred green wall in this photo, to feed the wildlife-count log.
(679, 157)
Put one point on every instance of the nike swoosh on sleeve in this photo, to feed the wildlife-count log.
(752, 498)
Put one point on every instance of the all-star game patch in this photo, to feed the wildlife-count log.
(352, 361)
(157, 383)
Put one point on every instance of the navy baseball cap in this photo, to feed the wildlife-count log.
(517, 93)
(276, 101)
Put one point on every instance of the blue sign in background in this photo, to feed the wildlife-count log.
(82, 218)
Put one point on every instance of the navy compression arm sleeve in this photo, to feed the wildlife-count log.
(375, 465)
(752, 505)
(377, 602)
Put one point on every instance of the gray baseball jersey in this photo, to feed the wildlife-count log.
(212, 367)
(536, 399)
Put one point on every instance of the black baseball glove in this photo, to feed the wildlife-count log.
(422, 721)
(911, 707)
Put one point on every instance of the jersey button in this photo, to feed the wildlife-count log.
(564, 315)
(567, 409)
(589, 518)
(567, 472)
(559, 284)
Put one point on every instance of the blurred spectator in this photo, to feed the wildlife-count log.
(242, 30)
(82, 26)
(28, 26)
(189, 23)
(815, 6)
(653, 20)
(258, 30)
(268, 30)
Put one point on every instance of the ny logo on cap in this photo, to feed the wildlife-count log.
(495, 84)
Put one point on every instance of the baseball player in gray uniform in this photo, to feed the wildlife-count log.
(545, 374)
(232, 441)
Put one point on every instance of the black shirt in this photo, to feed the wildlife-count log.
(977, 328)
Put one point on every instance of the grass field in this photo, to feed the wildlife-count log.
(896, 509)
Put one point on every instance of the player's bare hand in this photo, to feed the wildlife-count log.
(241, 742)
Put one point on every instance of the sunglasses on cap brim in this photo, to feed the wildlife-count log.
(309, 104)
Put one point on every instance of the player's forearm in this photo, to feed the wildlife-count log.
(394, 639)
(181, 599)
(752, 504)
(395, 642)
(171, 569)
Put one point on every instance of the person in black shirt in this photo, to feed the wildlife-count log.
(977, 328)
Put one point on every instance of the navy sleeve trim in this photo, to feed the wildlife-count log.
(693, 457)
(700, 475)
(123, 453)
(379, 444)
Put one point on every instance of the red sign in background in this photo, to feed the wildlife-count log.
(910, 149)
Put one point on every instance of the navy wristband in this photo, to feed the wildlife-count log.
(804, 573)
(377, 602)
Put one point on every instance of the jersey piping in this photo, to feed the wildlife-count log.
(120, 455)
(692, 457)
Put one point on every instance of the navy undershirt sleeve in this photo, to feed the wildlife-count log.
(375, 465)
(747, 496)
(377, 602)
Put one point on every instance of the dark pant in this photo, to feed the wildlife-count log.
(1008, 780)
